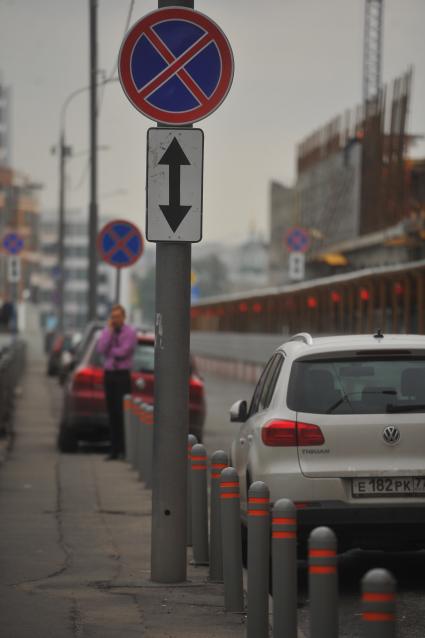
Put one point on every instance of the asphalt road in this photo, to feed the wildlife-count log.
(408, 568)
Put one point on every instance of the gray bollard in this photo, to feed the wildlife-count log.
(148, 443)
(135, 430)
(258, 560)
(219, 461)
(378, 604)
(231, 540)
(129, 448)
(191, 441)
(128, 407)
(323, 583)
(141, 441)
(284, 569)
(198, 482)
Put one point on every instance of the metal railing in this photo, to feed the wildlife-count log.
(12, 363)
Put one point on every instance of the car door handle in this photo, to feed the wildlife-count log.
(242, 441)
(250, 438)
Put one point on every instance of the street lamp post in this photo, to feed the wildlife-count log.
(64, 152)
(93, 215)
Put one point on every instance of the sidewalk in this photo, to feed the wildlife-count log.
(75, 541)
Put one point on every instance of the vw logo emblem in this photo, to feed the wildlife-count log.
(391, 435)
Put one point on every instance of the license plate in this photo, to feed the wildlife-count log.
(383, 486)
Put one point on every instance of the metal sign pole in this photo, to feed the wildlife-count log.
(118, 285)
(172, 345)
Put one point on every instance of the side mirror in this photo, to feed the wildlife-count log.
(239, 412)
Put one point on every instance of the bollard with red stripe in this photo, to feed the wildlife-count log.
(378, 604)
(191, 441)
(323, 583)
(284, 569)
(219, 461)
(231, 540)
(199, 491)
(258, 560)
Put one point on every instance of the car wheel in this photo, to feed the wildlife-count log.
(67, 441)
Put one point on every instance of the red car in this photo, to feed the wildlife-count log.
(84, 414)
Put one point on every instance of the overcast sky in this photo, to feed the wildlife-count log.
(297, 64)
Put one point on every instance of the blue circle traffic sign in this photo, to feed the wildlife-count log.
(176, 66)
(13, 243)
(120, 243)
(297, 239)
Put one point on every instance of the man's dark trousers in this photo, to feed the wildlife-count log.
(117, 385)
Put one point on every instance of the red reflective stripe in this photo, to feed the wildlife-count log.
(258, 512)
(371, 616)
(200, 458)
(199, 467)
(284, 535)
(215, 475)
(230, 495)
(233, 484)
(284, 521)
(377, 597)
(322, 553)
(322, 569)
(255, 499)
(218, 466)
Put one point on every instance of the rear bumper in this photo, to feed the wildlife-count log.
(367, 526)
(96, 426)
(89, 427)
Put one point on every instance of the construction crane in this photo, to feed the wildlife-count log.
(372, 49)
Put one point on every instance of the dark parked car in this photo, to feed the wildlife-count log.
(84, 414)
(78, 352)
(61, 342)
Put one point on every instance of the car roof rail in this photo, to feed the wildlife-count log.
(303, 336)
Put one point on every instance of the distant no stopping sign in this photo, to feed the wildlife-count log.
(13, 243)
(176, 66)
(120, 243)
(297, 239)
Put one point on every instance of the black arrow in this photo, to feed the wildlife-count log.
(174, 212)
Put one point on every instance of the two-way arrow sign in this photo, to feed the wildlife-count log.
(174, 185)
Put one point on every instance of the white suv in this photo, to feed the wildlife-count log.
(337, 424)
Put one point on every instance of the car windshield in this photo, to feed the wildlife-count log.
(357, 385)
(143, 359)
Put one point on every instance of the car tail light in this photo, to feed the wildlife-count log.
(87, 378)
(280, 434)
(309, 434)
(196, 387)
(291, 434)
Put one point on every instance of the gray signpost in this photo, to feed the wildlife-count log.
(174, 220)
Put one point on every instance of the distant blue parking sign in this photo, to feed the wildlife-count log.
(176, 65)
(120, 243)
(13, 243)
(297, 239)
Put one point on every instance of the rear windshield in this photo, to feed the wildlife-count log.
(358, 385)
(143, 359)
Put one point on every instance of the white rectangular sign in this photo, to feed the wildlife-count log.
(174, 184)
(296, 266)
(13, 269)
